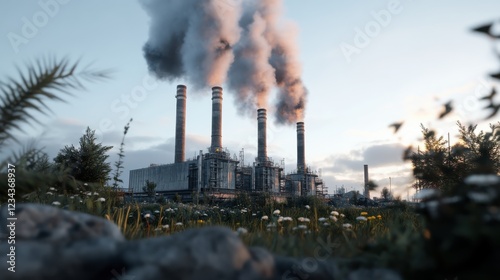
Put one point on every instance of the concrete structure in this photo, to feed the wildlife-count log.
(180, 124)
(216, 119)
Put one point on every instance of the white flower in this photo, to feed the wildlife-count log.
(294, 228)
(264, 218)
(276, 212)
(88, 193)
(241, 231)
(303, 220)
(147, 215)
(95, 193)
(308, 207)
(71, 197)
(101, 199)
(49, 193)
(322, 219)
(347, 226)
(326, 224)
(157, 211)
(302, 226)
(165, 226)
(280, 219)
(243, 211)
(158, 229)
(178, 224)
(52, 189)
(222, 210)
(56, 203)
(361, 218)
(333, 218)
(253, 214)
(342, 215)
(334, 213)
(482, 179)
(289, 219)
(426, 193)
(271, 225)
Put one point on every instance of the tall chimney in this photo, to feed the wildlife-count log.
(180, 124)
(301, 158)
(261, 135)
(366, 190)
(216, 119)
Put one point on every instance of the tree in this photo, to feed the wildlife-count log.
(150, 188)
(441, 167)
(88, 162)
(386, 194)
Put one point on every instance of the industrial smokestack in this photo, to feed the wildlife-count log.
(216, 119)
(180, 124)
(301, 158)
(261, 135)
(366, 190)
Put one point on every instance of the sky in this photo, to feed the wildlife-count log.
(366, 64)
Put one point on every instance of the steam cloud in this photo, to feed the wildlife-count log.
(242, 42)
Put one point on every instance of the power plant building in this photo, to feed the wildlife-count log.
(217, 171)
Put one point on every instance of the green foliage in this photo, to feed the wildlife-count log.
(386, 194)
(88, 162)
(121, 154)
(150, 188)
(442, 167)
(45, 80)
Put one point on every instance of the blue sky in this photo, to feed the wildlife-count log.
(405, 69)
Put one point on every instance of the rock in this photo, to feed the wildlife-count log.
(50, 224)
(206, 253)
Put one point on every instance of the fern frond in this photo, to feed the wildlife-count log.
(44, 80)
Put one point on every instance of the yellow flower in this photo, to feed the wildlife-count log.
(371, 218)
(379, 217)
(364, 213)
(200, 221)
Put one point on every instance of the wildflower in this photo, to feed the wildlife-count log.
(81, 201)
(347, 226)
(95, 193)
(147, 215)
(241, 231)
(157, 211)
(101, 199)
(308, 207)
(276, 212)
(342, 215)
(333, 218)
(264, 218)
(253, 214)
(165, 226)
(88, 193)
(280, 219)
(289, 219)
(322, 219)
(200, 221)
(49, 193)
(222, 210)
(371, 218)
(244, 210)
(56, 203)
(71, 197)
(361, 218)
(326, 224)
(158, 229)
(364, 213)
(179, 224)
(379, 217)
(334, 213)
(302, 226)
(53, 189)
(303, 220)
(294, 228)
(271, 225)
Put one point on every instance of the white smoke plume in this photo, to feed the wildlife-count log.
(244, 43)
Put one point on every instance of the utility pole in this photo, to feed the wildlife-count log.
(390, 185)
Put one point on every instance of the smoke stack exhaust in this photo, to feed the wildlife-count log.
(366, 190)
(262, 135)
(180, 124)
(301, 158)
(216, 119)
